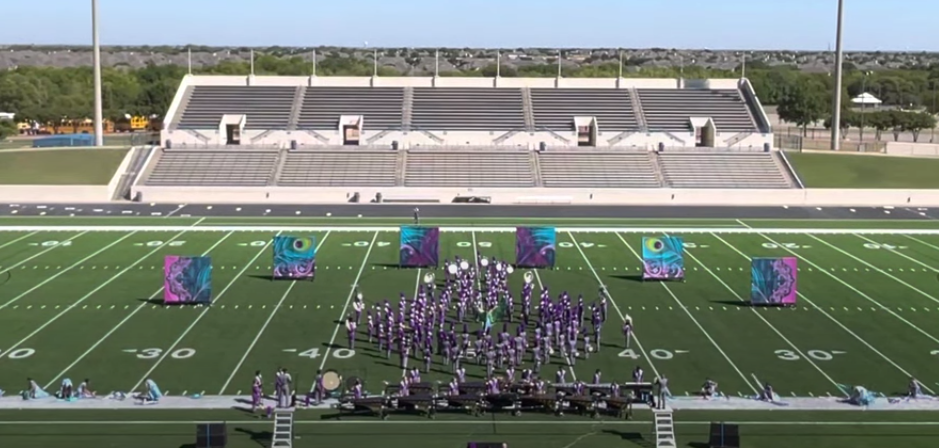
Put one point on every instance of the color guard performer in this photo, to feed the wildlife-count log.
(319, 389)
(257, 391)
(627, 329)
(84, 389)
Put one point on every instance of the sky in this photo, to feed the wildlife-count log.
(897, 25)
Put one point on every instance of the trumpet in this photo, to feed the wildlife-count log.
(429, 278)
(529, 277)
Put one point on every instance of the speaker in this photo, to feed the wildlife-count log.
(293, 145)
(394, 145)
(542, 146)
(724, 435)
(765, 147)
(169, 144)
(211, 435)
(661, 147)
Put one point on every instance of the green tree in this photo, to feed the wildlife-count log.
(915, 122)
(7, 128)
(803, 103)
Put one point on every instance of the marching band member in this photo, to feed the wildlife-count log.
(33, 391)
(614, 389)
(454, 387)
(461, 374)
(709, 389)
(596, 377)
(627, 329)
(319, 389)
(84, 389)
(286, 388)
(65, 391)
(637, 375)
(915, 389)
(153, 394)
(767, 393)
(257, 391)
(664, 393)
(403, 386)
(357, 391)
(350, 330)
(358, 306)
(560, 376)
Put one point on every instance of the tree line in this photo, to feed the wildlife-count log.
(48, 94)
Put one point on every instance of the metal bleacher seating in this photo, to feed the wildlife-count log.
(475, 109)
(554, 109)
(589, 168)
(707, 169)
(221, 168)
(669, 109)
(477, 168)
(266, 107)
(353, 168)
(380, 107)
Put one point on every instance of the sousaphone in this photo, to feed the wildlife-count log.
(429, 278)
(529, 277)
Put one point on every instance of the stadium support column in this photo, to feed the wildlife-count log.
(96, 61)
(839, 61)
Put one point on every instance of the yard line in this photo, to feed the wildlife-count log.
(42, 252)
(933, 246)
(825, 313)
(19, 239)
(849, 286)
(122, 322)
(266, 323)
(770, 325)
(615, 306)
(693, 319)
(743, 224)
(202, 314)
(87, 296)
(63, 271)
(417, 288)
(476, 261)
(899, 253)
(355, 284)
(898, 280)
(175, 210)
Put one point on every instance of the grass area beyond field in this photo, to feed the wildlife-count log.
(85, 304)
(60, 167)
(819, 170)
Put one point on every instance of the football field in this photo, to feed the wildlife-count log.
(82, 299)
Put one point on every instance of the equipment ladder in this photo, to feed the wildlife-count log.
(664, 428)
(283, 428)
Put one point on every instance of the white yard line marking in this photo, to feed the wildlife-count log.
(122, 322)
(200, 316)
(345, 307)
(694, 320)
(18, 239)
(613, 301)
(37, 254)
(257, 337)
(933, 246)
(768, 324)
(743, 224)
(875, 268)
(445, 229)
(849, 286)
(417, 288)
(897, 252)
(87, 296)
(61, 272)
(831, 318)
(175, 210)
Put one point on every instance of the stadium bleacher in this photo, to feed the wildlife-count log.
(467, 133)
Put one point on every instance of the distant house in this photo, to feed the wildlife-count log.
(7, 116)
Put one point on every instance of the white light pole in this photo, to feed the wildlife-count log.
(839, 61)
(96, 60)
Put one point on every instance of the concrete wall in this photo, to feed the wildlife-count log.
(791, 198)
(913, 149)
(74, 194)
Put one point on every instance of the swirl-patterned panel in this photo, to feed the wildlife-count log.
(663, 258)
(773, 281)
(420, 246)
(187, 279)
(294, 257)
(535, 247)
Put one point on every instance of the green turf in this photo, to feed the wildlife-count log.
(60, 167)
(867, 316)
(819, 170)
